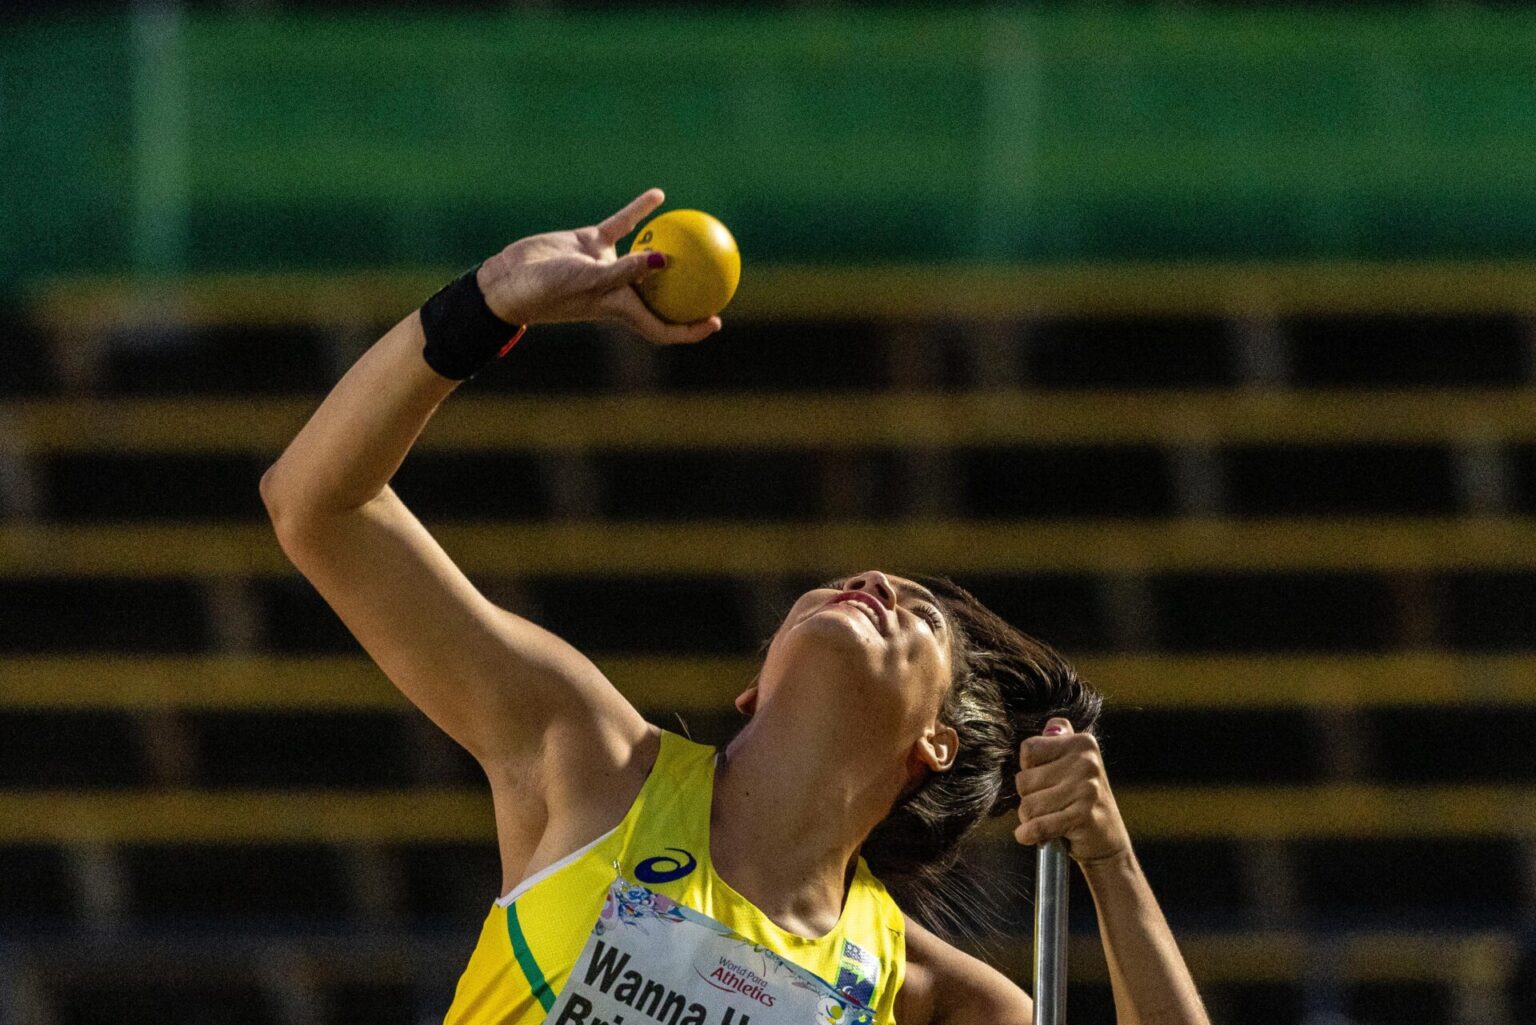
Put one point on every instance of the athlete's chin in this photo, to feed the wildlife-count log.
(833, 648)
(837, 629)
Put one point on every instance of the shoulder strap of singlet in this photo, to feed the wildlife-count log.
(673, 812)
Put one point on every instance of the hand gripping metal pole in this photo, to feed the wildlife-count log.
(1051, 871)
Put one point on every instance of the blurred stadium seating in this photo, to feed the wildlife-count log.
(1307, 592)
(1279, 508)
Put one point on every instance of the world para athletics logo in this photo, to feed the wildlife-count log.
(664, 868)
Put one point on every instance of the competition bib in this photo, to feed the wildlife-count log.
(652, 961)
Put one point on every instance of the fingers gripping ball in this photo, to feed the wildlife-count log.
(703, 266)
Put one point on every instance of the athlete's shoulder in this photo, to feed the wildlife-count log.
(946, 986)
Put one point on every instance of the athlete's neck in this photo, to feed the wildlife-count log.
(791, 806)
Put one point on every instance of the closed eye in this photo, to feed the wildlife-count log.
(932, 615)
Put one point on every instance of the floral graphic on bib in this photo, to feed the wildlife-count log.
(628, 904)
(834, 1012)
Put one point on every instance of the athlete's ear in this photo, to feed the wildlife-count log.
(746, 702)
(937, 747)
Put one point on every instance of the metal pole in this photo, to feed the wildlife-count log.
(1051, 872)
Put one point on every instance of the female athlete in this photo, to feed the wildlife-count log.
(647, 878)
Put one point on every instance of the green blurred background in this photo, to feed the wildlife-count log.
(198, 140)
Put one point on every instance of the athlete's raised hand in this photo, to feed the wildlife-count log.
(577, 275)
(1064, 793)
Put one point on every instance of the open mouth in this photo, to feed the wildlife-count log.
(870, 606)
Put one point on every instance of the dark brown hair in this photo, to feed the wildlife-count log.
(1006, 686)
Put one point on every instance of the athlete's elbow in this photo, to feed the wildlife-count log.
(268, 489)
(293, 516)
(277, 497)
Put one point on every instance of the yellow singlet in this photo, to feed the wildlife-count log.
(534, 935)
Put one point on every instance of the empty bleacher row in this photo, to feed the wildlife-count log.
(147, 601)
(839, 456)
(1284, 523)
(94, 721)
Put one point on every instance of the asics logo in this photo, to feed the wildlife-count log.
(664, 868)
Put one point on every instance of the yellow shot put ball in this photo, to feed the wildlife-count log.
(703, 266)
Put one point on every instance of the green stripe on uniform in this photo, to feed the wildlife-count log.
(525, 961)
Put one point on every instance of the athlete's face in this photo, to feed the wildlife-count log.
(882, 641)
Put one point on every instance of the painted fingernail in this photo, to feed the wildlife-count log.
(654, 259)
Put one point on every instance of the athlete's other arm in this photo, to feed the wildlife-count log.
(555, 739)
(946, 986)
(1064, 794)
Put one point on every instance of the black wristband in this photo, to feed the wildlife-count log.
(463, 335)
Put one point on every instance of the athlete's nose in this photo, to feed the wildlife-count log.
(876, 583)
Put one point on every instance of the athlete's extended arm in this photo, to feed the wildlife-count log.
(499, 685)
